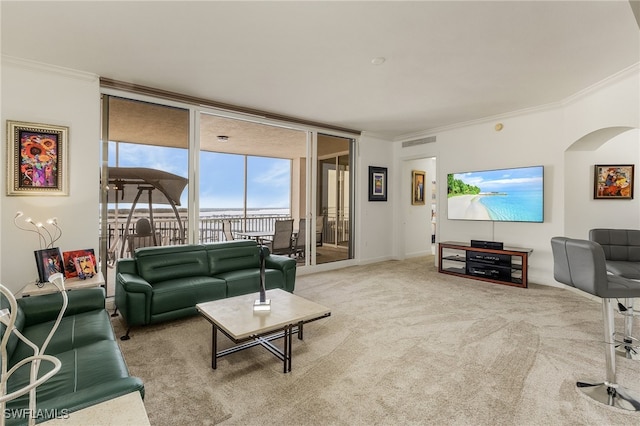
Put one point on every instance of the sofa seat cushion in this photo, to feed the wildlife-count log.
(248, 280)
(175, 294)
(630, 270)
(73, 332)
(86, 373)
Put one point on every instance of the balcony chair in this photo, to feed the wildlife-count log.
(622, 256)
(281, 242)
(581, 264)
(300, 239)
(226, 228)
(319, 230)
(144, 236)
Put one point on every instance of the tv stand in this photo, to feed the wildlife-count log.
(508, 265)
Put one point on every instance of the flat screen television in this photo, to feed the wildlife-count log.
(503, 195)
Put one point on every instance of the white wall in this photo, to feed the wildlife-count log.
(540, 137)
(582, 211)
(374, 236)
(35, 93)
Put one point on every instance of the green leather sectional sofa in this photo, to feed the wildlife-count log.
(93, 368)
(164, 283)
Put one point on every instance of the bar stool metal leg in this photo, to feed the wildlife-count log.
(628, 347)
(609, 392)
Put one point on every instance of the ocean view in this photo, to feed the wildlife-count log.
(523, 205)
(162, 212)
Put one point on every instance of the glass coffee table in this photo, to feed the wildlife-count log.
(237, 320)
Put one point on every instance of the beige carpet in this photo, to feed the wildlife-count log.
(404, 345)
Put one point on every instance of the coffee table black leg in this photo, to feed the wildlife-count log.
(214, 347)
(288, 334)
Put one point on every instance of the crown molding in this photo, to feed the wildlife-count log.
(621, 75)
(39, 66)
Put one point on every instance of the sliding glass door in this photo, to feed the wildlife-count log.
(187, 169)
(334, 198)
(145, 170)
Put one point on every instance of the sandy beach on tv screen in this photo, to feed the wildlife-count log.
(467, 207)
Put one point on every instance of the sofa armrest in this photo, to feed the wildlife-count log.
(134, 283)
(133, 298)
(285, 264)
(46, 307)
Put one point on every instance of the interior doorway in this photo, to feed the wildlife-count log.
(419, 236)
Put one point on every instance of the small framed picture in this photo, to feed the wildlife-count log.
(87, 263)
(613, 182)
(417, 187)
(36, 157)
(377, 183)
(49, 261)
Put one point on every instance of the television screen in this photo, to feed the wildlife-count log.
(509, 195)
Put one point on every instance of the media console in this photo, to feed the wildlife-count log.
(508, 265)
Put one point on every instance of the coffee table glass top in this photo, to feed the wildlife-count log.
(235, 315)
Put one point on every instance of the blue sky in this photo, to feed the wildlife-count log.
(221, 175)
(517, 179)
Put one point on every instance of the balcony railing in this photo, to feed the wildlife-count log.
(210, 228)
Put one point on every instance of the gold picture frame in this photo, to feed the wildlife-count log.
(37, 159)
(418, 180)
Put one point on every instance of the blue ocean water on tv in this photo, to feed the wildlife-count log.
(519, 206)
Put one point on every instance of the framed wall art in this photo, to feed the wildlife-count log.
(37, 159)
(79, 263)
(417, 187)
(49, 261)
(377, 183)
(613, 182)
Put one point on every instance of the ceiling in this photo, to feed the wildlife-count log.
(446, 62)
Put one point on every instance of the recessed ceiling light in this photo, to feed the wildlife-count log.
(378, 61)
(223, 138)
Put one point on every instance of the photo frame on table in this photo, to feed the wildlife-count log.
(377, 183)
(37, 159)
(418, 179)
(613, 181)
(49, 261)
(79, 264)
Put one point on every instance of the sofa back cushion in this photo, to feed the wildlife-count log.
(618, 244)
(157, 264)
(232, 256)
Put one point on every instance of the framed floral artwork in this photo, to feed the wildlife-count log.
(37, 159)
(613, 182)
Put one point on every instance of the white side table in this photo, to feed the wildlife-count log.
(124, 410)
(70, 284)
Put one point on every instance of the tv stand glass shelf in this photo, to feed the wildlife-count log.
(508, 265)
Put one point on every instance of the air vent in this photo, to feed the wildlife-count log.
(422, 141)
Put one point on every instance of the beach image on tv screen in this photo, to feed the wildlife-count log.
(512, 195)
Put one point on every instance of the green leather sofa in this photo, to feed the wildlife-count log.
(93, 368)
(164, 283)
